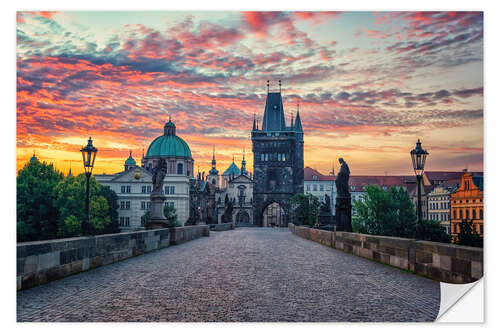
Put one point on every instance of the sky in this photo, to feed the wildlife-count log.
(368, 85)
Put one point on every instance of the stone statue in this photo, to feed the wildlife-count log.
(342, 181)
(326, 204)
(159, 172)
(343, 205)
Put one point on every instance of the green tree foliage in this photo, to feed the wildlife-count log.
(468, 235)
(70, 200)
(112, 201)
(37, 216)
(391, 213)
(385, 212)
(306, 208)
(434, 232)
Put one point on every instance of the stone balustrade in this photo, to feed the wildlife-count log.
(439, 261)
(222, 226)
(44, 261)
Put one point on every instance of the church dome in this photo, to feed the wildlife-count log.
(168, 145)
(33, 158)
(130, 160)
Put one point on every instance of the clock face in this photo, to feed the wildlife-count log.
(275, 107)
(137, 175)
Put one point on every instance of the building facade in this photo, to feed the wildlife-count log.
(439, 208)
(320, 185)
(278, 157)
(133, 187)
(467, 203)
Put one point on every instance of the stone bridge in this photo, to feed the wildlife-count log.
(246, 274)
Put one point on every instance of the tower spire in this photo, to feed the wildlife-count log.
(243, 164)
(254, 124)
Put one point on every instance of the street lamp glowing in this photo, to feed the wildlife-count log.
(418, 157)
(89, 153)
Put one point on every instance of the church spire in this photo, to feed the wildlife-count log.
(244, 164)
(254, 124)
(298, 123)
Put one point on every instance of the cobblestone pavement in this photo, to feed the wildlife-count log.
(247, 274)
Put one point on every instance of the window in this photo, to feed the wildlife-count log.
(180, 169)
(143, 189)
(279, 157)
(454, 214)
(308, 187)
(461, 214)
(123, 189)
(473, 214)
(148, 189)
(127, 221)
(467, 214)
(167, 189)
(321, 187)
(122, 221)
(480, 214)
(127, 204)
(262, 157)
(172, 189)
(284, 157)
(315, 187)
(481, 229)
(143, 205)
(122, 204)
(148, 204)
(128, 189)
(267, 157)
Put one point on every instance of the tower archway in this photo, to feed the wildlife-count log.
(274, 215)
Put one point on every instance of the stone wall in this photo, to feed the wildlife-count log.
(44, 261)
(443, 262)
(222, 226)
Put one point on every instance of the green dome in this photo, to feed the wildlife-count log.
(130, 160)
(168, 146)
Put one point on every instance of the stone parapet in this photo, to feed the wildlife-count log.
(44, 261)
(222, 226)
(443, 262)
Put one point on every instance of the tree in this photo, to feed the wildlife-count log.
(70, 200)
(37, 214)
(434, 232)
(468, 235)
(112, 200)
(385, 212)
(306, 208)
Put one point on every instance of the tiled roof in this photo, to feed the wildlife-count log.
(357, 183)
(309, 173)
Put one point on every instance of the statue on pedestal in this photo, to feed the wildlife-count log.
(343, 207)
(157, 218)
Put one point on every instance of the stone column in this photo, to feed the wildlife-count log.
(343, 209)
(157, 220)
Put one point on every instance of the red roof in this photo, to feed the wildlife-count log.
(359, 182)
(310, 172)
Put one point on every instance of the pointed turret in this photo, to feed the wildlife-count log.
(214, 170)
(254, 127)
(274, 116)
(244, 165)
(298, 123)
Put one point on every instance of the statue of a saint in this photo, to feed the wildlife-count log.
(342, 181)
(159, 172)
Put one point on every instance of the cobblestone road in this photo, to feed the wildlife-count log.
(239, 275)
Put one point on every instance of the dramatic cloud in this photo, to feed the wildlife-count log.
(356, 76)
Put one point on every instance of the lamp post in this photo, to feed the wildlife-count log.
(88, 154)
(418, 157)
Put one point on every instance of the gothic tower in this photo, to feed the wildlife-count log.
(278, 157)
(213, 174)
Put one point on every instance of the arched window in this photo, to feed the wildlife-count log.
(461, 214)
(466, 214)
(454, 214)
(180, 169)
(473, 214)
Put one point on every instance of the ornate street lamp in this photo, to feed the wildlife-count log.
(88, 154)
(418, 157)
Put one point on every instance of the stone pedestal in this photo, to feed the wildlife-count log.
(157, 220)
(343, 209)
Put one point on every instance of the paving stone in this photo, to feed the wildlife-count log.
(246, 274)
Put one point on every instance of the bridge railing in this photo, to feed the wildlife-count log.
(44, 261)
(443, 262)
